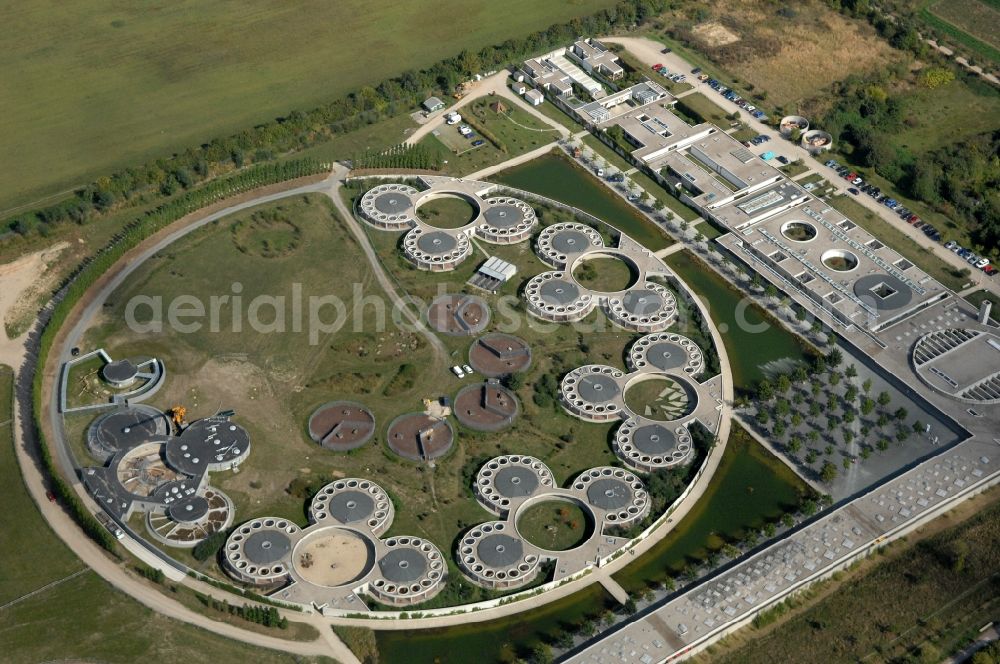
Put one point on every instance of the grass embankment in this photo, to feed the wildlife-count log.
(920, 602)
(81, 618)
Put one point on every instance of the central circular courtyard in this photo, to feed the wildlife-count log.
(333, 557)
(604, 274)
(447, 211)
(659, 398)
(555, 525)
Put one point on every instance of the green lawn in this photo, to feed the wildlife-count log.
(554, 525)
(447, 212)
(703, 109)
(81, 618)
(88, 89)
(930, 115)
(605, 275)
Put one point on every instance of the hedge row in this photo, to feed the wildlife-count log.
(81, 279)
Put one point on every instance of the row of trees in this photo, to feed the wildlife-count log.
(267, 616)
(399, 156)
(299, 129)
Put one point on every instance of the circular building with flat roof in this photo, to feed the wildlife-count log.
(436, 250)
(209, 445)
(341, 425)
(506, 220)
(498, 354)
(666, 351)
(185, 517)
(420, 437)
(647, 446)
(555, 296)
(816, 141)
(559, 242)
(389, 206)
(120, 373)
(458, 314)
(506, 481)
(493, 557)
(647, 308)
(615, 494)
(791, 123)
(353, 502)
(486, 407)
(259, 552)
(409, 570)
(593, 392)
(125, 428)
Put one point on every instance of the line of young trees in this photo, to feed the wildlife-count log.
(301, 129)
(399, 156)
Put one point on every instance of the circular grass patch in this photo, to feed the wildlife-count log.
(266, 234)
(555, 525)
(447, 212)
(660, 399)
(604, 274)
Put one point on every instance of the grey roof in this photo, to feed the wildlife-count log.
(119, 371)
(570, 241)
(665, 355)
(515, 482)
(436, 242)
(266, 547)
(500, 550)
(188, 510)
(558, 291)
(597, 388)
(642, 302)
(209, 441)
(392, 202)
(654, 439)
(609, 493)
(351, 506)
(503, 215)
(125, 428)
(403, 565)
(901, 296)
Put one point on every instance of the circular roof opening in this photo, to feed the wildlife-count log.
(798, 231)
(660, 398)
(605, 274)
(447, 211)
(839, 260)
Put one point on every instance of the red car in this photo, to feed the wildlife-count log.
(51, 496)
(990, 270)
(657, 67)
(851, 176)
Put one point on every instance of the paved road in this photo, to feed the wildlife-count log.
(648, 52)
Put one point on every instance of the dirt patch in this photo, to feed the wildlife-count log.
(333, 558)
(24, 280)
(714, 34)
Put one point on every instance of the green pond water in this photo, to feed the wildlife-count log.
(752, 341)
(749, 487)
(506, 639)
(557, 177)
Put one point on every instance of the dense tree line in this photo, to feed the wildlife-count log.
(267, 616)
(301, 129)
(961, 180)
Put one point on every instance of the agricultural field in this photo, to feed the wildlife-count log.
(972, 23)
(145, 82)
(786, 52)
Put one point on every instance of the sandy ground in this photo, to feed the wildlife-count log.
(22, 279)
(332, 559)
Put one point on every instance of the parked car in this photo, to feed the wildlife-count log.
(51, 496)
(857, 182)
(476, 143)
(990, 270)
(457, 370)
(950, 244)
(702, 77)
(467, 369)
(666, 50)
(852, 190)
(657, 67)
(696, 70)
(875, 192)
(783, 159)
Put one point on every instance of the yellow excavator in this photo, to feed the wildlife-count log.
(177, 415)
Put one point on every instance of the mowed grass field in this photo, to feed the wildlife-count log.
(973, 23)
(82, 617)
(92, 87)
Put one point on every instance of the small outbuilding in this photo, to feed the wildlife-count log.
(534, 97)
(519, 87)
(433, 104)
